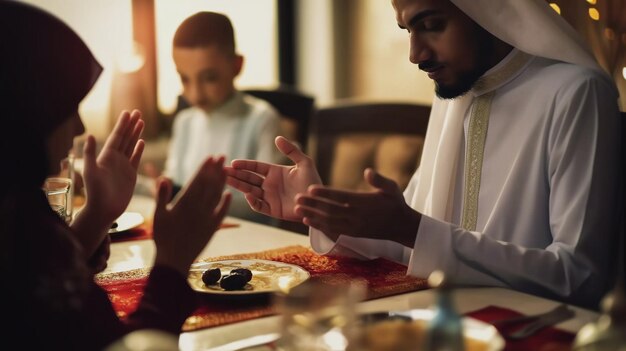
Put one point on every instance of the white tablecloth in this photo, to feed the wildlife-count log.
(253, 237)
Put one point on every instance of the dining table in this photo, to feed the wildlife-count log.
(241, 236)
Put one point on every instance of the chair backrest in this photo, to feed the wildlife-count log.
(295, 107)
(350, 136)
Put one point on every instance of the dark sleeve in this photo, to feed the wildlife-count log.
(175, 189)
(167, 301)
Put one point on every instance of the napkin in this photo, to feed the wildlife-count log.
(383, 277)
(547, 339)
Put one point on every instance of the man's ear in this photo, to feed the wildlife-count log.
(238, 64)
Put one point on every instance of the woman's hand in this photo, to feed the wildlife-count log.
(110, 178)
(98, 261)
(271, 189)
(109, 181)
(183, 227)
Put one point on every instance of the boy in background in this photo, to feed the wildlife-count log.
(220, 120)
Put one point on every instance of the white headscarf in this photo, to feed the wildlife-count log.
(531, 26)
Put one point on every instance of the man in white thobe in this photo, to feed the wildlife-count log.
(520, 175)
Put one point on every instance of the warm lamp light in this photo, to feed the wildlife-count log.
(555, 7)
(592, 2)
(131, 60)
(624, 72)
(594, 14)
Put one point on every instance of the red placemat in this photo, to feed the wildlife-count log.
(383, 277)
(144, 231)
(547, 339)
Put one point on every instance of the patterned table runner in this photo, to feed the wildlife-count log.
(383, 277)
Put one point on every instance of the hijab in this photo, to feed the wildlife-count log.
(45, 71)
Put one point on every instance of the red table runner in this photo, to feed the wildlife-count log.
(548, 339)
(383, 277)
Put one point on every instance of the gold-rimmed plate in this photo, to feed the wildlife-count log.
(267, 276)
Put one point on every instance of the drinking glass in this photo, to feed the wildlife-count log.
(318, 316)
(68, 172)
(60, 189)
(58, 194)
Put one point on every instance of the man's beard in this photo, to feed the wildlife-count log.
(466, 82)
(469, 78)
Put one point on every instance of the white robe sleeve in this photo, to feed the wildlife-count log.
(359, 248)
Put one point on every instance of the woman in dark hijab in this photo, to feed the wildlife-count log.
(47, 268)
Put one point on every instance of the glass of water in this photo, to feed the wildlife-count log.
(58, 193)
(60, 189)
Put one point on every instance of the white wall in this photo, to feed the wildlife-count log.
(358, 46)
(380, 66)
(315, 49)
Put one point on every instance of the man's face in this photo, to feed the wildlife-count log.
(207, 75)
(445, 43)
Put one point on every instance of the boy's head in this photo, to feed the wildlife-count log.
(206, 60)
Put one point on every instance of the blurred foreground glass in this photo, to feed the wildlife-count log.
(60, 189)
(318, 316)
(145, 340)
(609, 331)
(445, 330)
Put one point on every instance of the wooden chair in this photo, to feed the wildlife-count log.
(351, 136)
(295, 107)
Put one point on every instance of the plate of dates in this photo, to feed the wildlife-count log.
(243, 277)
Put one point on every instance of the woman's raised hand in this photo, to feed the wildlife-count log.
(110, 177)
(184, 226)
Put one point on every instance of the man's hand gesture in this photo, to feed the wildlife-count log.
(271, 189)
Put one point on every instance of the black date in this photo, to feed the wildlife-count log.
(243, 271)
(233, 281)
(211, 276)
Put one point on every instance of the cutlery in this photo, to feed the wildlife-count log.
(527, 318)
(535, 322)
